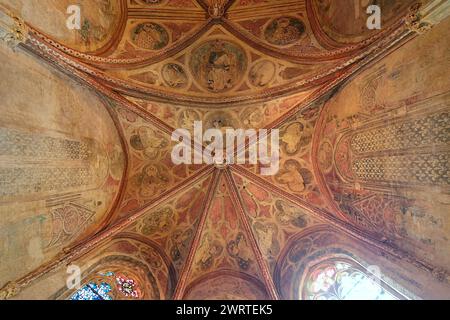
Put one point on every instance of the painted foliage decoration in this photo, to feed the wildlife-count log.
(284, 31)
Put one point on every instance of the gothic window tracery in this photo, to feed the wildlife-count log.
(341, 279)
(109, 286)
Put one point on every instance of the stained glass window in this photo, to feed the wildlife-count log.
(108, 286)
(340, 280)
(93, 291)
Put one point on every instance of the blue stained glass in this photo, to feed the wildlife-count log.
(92, 291)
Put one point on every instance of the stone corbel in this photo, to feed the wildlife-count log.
(13, 30)
(10, 290)
(423, 18)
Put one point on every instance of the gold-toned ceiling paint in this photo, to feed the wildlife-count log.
(100, 20)
(61, 163)
(199, 232)
(383, 147)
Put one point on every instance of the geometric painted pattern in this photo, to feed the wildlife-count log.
(412, 168)
(430, 130)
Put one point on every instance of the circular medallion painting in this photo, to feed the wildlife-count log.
(262, 73)
(218, 65)
(150, 36)
(284, 31)
(174, 75)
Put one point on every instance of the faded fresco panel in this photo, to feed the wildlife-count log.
(99, 20)
(353, 27)
(384, 146)
(61, 163)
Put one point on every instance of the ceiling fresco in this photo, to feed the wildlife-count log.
(224, 243)
(327, 14)
(256, 116)
(151, 172)
(373, 144)
(101, 20)
(178, 53)
(274, 219)
(59, 181)
(363, 130)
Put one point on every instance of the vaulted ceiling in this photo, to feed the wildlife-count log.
(225, 231)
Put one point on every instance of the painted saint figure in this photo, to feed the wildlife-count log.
(221, 67)
(218, 65)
